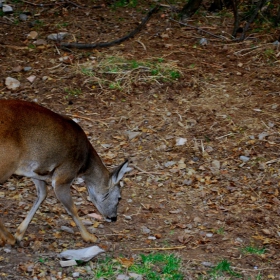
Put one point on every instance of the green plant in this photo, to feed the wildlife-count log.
(125, 3)
(158, 266)
(42, 260)
(253, 250)
(106, 268)
(220, 231)
(223, 267)
(152, 267)
(61, 25)
(73, 92)
(119, 73)
(31, 46)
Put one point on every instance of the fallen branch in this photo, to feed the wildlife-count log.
(197, 28)
(115, 42)
(159, 249)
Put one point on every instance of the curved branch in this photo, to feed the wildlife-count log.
(115, 42)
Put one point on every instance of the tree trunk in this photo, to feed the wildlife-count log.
(190, 8)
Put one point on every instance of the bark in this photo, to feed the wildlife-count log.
(190, 8)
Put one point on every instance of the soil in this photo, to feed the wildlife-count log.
(205, 200)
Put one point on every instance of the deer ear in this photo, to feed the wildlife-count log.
(119, 172)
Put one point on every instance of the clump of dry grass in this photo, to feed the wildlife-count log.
(119, 73)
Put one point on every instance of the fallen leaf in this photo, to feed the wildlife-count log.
(126, 262)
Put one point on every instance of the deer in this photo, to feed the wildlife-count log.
(40, 144)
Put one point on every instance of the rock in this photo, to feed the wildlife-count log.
(68, 263)
(135, 276)
(76, 274)
(169, 163)
(244, 158)
(7, 9)
(84, 254)
(31, 78)
(122, 277)
(208, 264)
(67, 229)
(263, 135)
(27, 68)
(12, 83)
(32, 35)
(145, 230)
(23, 17)
(127, 217)
(17, 69)
(216, 164)
(181, 141)
(152, 238)
(203, 42)
(57, 36)
(132, 134)
(40, 42)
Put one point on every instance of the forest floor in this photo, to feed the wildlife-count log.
(199, 122)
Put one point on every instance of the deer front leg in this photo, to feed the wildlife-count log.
(63, 194)
(41, 195)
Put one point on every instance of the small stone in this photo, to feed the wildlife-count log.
(152, 238)
(127, 217)
(12, 83)
(209, 235)
(145, 230)
(216, 164)
(17, 69)
(27, 68)
(23, 17)
(67, 229)
(208, 264)
(32, 35)
(68, 263)
(76, 274)
(122, 277)
(31, 78)
(57, 36)
(40, 42)
(203, 42)
(135, 276)
(7, 9)
(244, 158)
(266, 231)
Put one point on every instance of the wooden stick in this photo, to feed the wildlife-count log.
(159, 249)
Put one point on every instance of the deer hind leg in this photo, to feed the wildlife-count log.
(62, 192)
(41, 195)
(5, 236)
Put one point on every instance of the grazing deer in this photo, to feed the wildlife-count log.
(40, 144)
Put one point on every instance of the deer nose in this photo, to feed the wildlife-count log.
(113, 219)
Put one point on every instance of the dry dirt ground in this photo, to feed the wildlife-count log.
(206, 199)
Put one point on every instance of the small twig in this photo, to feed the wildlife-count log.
(146, 172)
(4, 22)
(223, 136)
(159, 249)
(197, 28)
(142, 44)
(88, 119)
